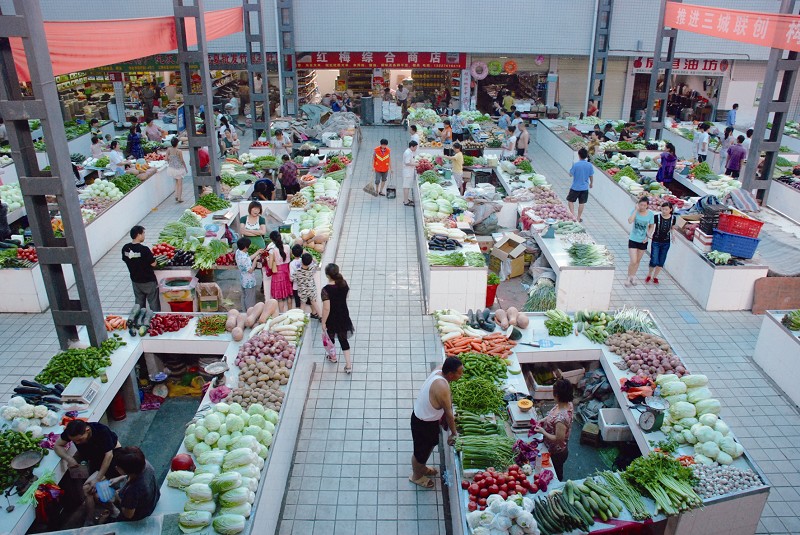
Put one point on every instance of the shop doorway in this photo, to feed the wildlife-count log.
(692, 97)
(524, 86)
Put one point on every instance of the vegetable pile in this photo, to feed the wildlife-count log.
(469, 423)
(87, 362)
(542, 296)
(666, 481)
(719, 259)
(25, 416)
(512, 515)
(620, 489)
(12, 443)
(126, 182)
(592, 325)
(491, 483)
(484, 451)
(792, 320)
(168, 323)
(558, 323)
(102, 189)
(211, 325)
(590, 254)
(715, 480)
(479, 395)
(631, 319)
(483, 365)
(455, 259)
(213, 202)
(645, 355)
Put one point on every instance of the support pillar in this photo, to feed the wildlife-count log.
(72, 249)
(287, 58)
(599, 55)
(255, 37)
(654, 120)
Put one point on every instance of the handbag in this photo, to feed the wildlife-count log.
(265, 265)
(330, 349)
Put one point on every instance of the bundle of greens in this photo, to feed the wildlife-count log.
(542, 296)
(589, 254)
(126, 182)
(479, 395)
(206, 255)
(213, 202)
(455, 259)
(665, 480)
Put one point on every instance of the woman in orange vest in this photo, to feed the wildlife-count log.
(381, 162)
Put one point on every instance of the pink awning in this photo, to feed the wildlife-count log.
(82, 45)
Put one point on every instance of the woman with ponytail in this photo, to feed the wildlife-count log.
(335, 314)
(278, 261)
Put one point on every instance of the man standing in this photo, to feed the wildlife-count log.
(148, 95)
(515, 123)
(409, 172)
(287, 174)
(433, 402)
(508, 101)
(731, 120)
(523, 138)
(381, 163)
(747, 141)
(402, 98)
(582, 174)
(736, 155)
(457, 124)
(702, 143)
(140, 262)
(414, 133)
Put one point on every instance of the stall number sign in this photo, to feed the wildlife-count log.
(386, 60)
(704, 67)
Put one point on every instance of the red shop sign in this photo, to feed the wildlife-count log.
(381, 60)
(115, 77)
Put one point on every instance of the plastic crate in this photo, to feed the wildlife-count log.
(613, 426)
(741, 226)
(738, 246)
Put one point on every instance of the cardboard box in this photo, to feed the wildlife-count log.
(682, 220)
(485, 243)
(509, 247)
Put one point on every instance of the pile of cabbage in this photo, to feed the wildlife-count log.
(318, 217)
(438, 203)
(12, 196)
(692, 419)
(324, 187)
(512, 515)
(25, 417)
(229, 445)
(425, 116)
(103, 189)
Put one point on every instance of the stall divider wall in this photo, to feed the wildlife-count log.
(778, 351)
(555, 146)
(785, 200)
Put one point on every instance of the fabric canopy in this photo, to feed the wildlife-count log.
(82, 45)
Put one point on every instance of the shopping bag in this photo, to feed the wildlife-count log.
(330, 349)
(370, 188)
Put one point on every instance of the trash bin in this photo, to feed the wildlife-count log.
(179, 293)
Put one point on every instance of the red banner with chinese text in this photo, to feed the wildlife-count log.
(772, 30)
(381, 60)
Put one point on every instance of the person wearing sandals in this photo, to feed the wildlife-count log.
(306, 287)
(176, 168)
(433, 402)
(278, 260)
(662, 238)
(642, 221)
(409, 172)
(335, 314)
(381, 163)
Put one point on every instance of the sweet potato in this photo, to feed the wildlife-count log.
(253, 314)
(237, 334)
(522, 321)
(501, 318)
(240, 320)
(269, 310)
(231, 323)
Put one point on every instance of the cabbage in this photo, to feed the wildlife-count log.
(192, 505)
(200, 432)
(689, 437)
(199, 492)
(229, 524)
(234, 497)
(708, 406)
(253, 430)
(245, 418)
(222, 407)
(473, 517)
(674, 399)
(233, 422)
(693, 395)
(223, 442)
(200, 449)
(241, 509)
(190, 442)
(263, 452)
(239, 457)
(223, 430)
(211, 457)
(708, 419)
(710, 450)
(266, 438)
(190, 429)
(250, 483)
(673, 389)
(180, 479)
(192, 521)
(259, 462)
(724, 458)
(688, 422)
(258, 421)
(205, 479)
(704, 434)
(246, 441)
(213, 469)
(211, 438)
(694, 381)
(248, 470)
(226, 481)
(235, 408)
(702, 459)
(269, 427)
(679, 437)
(270, 415)
(212, 422)
(681, 410)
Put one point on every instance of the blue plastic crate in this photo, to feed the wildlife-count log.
(738, 246)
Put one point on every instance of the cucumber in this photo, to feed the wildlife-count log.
(583, 488)
(584, 514)
(132, 316)
(142, 330)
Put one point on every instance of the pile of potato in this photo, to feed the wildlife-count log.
(269, 398)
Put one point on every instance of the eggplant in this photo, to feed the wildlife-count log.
(132, 316)
(31, 390)
(59, 387)
(34, 384)
(51, 399)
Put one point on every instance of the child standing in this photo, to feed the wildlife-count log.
(294, 265)
(306, 288)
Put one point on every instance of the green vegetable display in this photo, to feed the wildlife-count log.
(492, 279)
(211, 325)
(483, 365)
(478, 395)
(102, 162)
(589, 254)
(446, 259)
(620, 489)
(88, 362)
(568, 227)
(213, 202)
(483, 451)
(469, 423)
(475, 259)
(429, 176)
(719, 258)
(12, 443)
(631, 319)
(792, 320)
(230, 180)
(126, 182)
(206, 255)
(703, 171)
(558, 323)
(525, 166)
(542, 296)
(666, 481)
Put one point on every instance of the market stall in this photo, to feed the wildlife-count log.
(784, 197)
(512, 444)
(778, 349)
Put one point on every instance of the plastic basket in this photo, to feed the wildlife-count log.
(182, 306)
(738, 246)
(741, 226)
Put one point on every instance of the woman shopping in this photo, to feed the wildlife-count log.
(335, 314)
(278, 259)
(642, 221)
(247, 267)
(666, 162)
(555, 427)
(728, 139)
(176, 168)
(662, 238)
(135, 143)
(253, 225)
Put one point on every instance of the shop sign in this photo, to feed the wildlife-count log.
(772, 30)
(703, 67)
(169, 62)
(386, 60)
(115, 77)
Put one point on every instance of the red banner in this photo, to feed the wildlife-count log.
(772, 30)
(381, 60)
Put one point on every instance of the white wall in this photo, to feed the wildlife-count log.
(326, 80)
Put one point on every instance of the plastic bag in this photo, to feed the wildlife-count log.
(330, 349)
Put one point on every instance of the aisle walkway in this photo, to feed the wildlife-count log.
(351, 467)
(719, 345)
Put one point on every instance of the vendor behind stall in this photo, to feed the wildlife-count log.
(138, 497)
(556, 426)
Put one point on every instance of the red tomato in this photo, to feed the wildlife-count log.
(482, 507)
(490, 469)
(534, 488)
(474, 489)
(472, 506)
(501, 479)
(478, 477)
(482, 501)
(520, 489)
(513, 467)
(524, 492)
(494, 489)
(464, 484)
(503, 487)
(503, 494)
(490, 480)
(484, 493)
(511, 492)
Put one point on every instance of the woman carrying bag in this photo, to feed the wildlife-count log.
(336, 316)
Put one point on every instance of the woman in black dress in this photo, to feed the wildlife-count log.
(335, 315)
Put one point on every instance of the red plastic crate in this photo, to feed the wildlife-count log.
(741, 226)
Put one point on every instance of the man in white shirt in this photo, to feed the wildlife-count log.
(509, 147)
(414, 134)
(515, 123)
(702, 143)
(748, 140)
(409, 172)
(402, 98)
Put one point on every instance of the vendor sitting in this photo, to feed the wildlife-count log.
(264, 190)
(139, 494)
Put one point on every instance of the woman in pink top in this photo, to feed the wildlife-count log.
(278, 261)
(556, 426)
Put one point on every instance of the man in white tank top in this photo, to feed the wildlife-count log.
(432, 403)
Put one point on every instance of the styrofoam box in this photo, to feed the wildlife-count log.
(613, 426)
(700, 245)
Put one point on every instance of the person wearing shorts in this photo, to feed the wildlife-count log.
(661, 240)
(381, 163)
(642, 221)
(433, 402)
(582, 174)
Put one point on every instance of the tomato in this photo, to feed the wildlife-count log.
(464, 484)
(490, 481)
(513, 467)
(520, 489)
(484, 493)
(490, 469)
(501, 479)
(472, 506)
(482, 501)
(504, 487)
(511, 492)
(482, 507)
(534, 488)
(503, 494)
(494, 489)
(478, 477)
(524, 492)
(474, 489)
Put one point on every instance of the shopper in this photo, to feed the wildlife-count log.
(148, 95)
(737, 153)
(556, 426)
(457, 162)
(116, 160)
(336, 106)
(140, 261)
(253, 225)
(231, 144)
(582, 173)
(135, 143)
(278, 261)
(447, 138)
(662, 238)
(747, 141)
(402, 98)
(457, 123)
(153, 132)
(497, 109)
(306, 287)
(381, 164)
(414, 134)
(246, 264)
(523, 139)
(335, 314)
(176, 168)
(728, 139)
(287, 174)
(409, 172)
(642, 221)
(702, 144)
(294, 265)
(731, 120)
(138, 497)
(96, 149)
(666, 164)
(591, 110)
(508, 101)
(509, 147)
(504, 121)
(594, 141)
(515, 122)
(281, 145)
(433, 402)
(223, 127)
(94, 128)
(263, 190)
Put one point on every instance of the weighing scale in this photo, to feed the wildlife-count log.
(519, 419)
(216, 370)
(81, 390)
(24, 464)
(652, 417)
(550, 233)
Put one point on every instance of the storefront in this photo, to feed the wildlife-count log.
(524, 77)
(694, 88)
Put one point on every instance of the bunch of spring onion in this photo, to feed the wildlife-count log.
(625, 493)
(589, 254)
(631, 319)
(666, 480)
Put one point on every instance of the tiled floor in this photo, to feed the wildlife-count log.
(352, 461)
